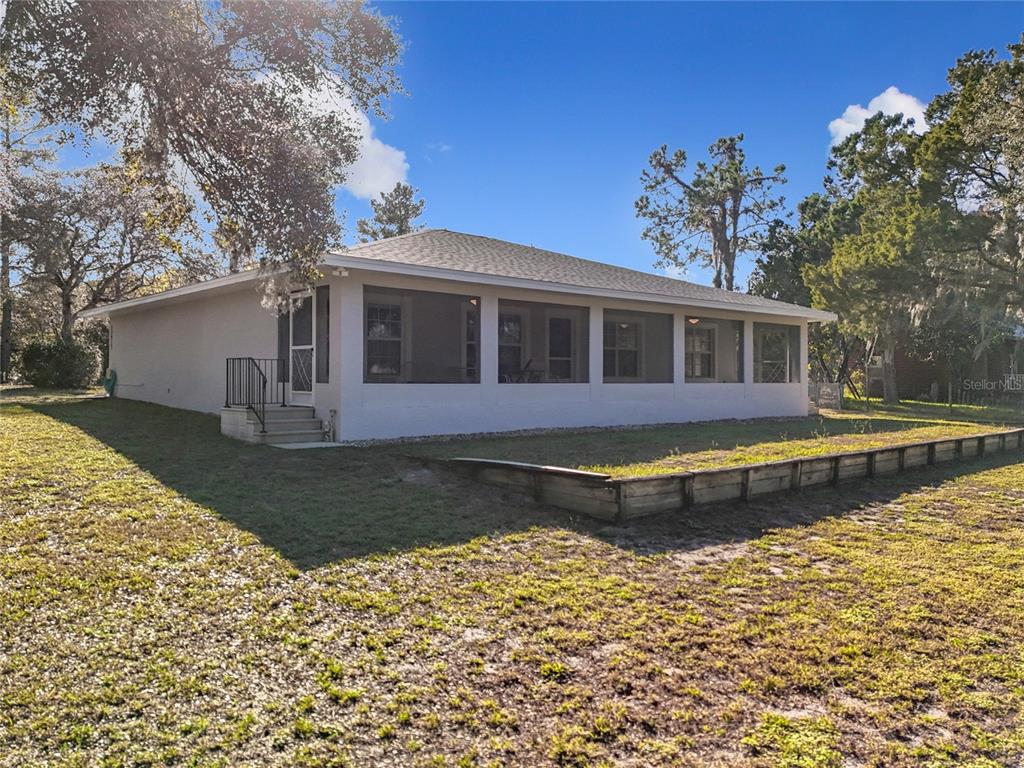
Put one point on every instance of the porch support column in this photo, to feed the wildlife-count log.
(748, 357)
(488, 338)
(350, 347)
(678, 347)
(804, 352)
(595, 354)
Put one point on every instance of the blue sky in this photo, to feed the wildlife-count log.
(532, 122)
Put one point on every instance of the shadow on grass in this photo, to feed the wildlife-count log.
(316, 507)
(714, 525)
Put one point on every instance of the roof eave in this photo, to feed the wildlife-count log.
(363, 262)
(227, 281)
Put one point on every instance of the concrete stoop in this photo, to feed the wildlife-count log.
(284, 424)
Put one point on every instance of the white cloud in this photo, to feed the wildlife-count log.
(675, 271)
(890, 102)
(380, 166)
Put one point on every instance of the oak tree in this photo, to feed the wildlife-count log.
(218, 92)
(98, 235)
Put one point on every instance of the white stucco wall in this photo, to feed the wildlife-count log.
(395, 410)
(173, 353)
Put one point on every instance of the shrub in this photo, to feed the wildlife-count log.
(59, 364)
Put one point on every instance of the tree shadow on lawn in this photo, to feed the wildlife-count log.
(316, 507)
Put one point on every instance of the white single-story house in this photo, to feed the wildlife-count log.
(439, 332)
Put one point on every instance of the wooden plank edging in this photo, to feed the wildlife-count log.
(615, 499)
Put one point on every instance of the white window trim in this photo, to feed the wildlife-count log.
(574, 365)
(703, 326)
(468, 307)
(525, 351)
(405, 303)
(641, 372)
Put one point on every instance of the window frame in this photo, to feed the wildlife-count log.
(523, 315)
(379, 301)
(573, 357)
(468, 309)
(789, 334)
(639, 349)
(688, 333)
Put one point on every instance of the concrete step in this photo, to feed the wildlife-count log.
(290, 425)
(275, 413)
(290, 436)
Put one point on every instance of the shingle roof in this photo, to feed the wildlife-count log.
(485, 257)
(444, 249)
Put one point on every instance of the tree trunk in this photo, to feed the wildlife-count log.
(67, 317)
(720, 246)
(890, 392)
(6, 301)
(733, 243)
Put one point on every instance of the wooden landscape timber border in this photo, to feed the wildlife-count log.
(617, 499)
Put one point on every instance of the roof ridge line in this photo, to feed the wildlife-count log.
(391, 239)
(581, 258)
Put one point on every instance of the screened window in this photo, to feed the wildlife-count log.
(560, 346)
(776, 353)
(510, 346)
(472, 347)
(302, 321)
(383, 339)
(713, 350)
(700, 353)
(541, 343)
(421, 337)
(622, 349)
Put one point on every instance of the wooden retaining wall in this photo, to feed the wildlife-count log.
(615, 499)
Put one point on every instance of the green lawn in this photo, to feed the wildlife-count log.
(1005, 413)
(171, 597)
(681, 447)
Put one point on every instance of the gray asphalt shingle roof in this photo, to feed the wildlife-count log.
(444, 249)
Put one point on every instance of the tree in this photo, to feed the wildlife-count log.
(26, 144)
(972, 168)
(393, 214)
(877, 280)
(98, 235)
(723, 211)
(221, 92)
(948, 334)
(786, 250)
(878, 275)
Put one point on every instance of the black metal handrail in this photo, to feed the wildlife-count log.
(254, 383)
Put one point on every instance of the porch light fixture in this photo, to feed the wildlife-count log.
(474, 301)
(693, 320)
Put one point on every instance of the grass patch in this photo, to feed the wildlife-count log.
(796, 742)
(168, 596)
(671, 448)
